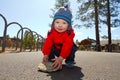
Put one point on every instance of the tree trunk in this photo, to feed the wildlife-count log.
(97, 27)
(109, 28)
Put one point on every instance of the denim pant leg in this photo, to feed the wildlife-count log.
(72, 54)
(54, 52)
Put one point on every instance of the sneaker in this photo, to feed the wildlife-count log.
(70, 64)
(46, 67)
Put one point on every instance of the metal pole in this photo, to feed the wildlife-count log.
(4, 34)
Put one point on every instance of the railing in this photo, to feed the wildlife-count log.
(6, 25)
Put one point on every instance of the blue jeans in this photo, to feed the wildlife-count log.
(70, 58)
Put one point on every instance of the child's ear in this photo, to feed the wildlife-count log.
(52, 25)
(69, 27)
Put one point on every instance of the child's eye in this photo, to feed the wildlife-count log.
(57, 22)
(64, 23)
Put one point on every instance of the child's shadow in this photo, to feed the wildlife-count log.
(67, 74)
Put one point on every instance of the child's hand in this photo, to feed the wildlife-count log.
(45, 58)
(58, 62)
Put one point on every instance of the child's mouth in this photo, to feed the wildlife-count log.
(60, 29)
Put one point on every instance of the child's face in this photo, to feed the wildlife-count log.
(60, 25)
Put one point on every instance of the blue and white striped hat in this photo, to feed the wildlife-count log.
(64, 13)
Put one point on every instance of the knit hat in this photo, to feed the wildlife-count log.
(64, 13)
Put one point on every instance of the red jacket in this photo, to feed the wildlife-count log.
(55, 38)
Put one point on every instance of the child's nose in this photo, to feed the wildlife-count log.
(60, 25)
